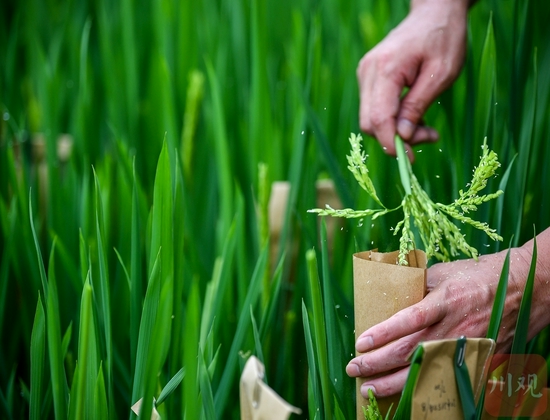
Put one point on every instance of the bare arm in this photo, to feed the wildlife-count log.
(425, 53)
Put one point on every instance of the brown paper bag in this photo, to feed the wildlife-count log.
(258, 400)
(381, 289)
(436, 394)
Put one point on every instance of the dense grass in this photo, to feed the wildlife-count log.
(146, 249)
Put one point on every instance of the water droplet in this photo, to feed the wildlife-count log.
(303, 133)
(431, 75)
(384, 148)
(6, 116)
(437, 176)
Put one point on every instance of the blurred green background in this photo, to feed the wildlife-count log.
(138, 145)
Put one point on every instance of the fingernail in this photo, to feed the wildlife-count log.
(364, 343)
(353, 370)
(405, 128)
(365, 390)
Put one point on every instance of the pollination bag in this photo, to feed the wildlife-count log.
(381, 289)
(258, 400)
(451, 378)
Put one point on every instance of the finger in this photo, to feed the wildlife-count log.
(422, 135)
(404, 323)
(388, 358)
(380, 94)
(430, 82)
(386, 385)
(384, 109)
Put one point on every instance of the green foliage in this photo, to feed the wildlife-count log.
(158, 211)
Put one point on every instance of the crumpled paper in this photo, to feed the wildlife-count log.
(258, 400)
(154, 413)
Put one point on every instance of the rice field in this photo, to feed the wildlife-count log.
(157, 161)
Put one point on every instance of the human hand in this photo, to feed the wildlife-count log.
(459, 302)
(425, 52)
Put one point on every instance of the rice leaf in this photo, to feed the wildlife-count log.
(257, 342)
(319, 333)
(500, 298)
(190, 392)
(142, 380)
(519, 343)
(252, 296)
(496, 315)
(171, 386)
(84, 257)
(208, 404)
(87, 356)
(404, 407)
(6, 399)
(525, 146)
(193, 99)
(103, 292)
(101, 407)
(55, 351)
(333, 167)
(463, 382)
(41, 267)
(162, 238)
(215, 291)
(221, 154)
(335, 351)
(38, 351)
(136, 284)
(314, 388)
(66, 340)
(275, 295)
(126, 274)
(403, 164)
(499, 210)
(486, 86)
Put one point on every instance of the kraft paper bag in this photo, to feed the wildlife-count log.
(381, 289)
(154, 413)
(258, 400)
(436, 395)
